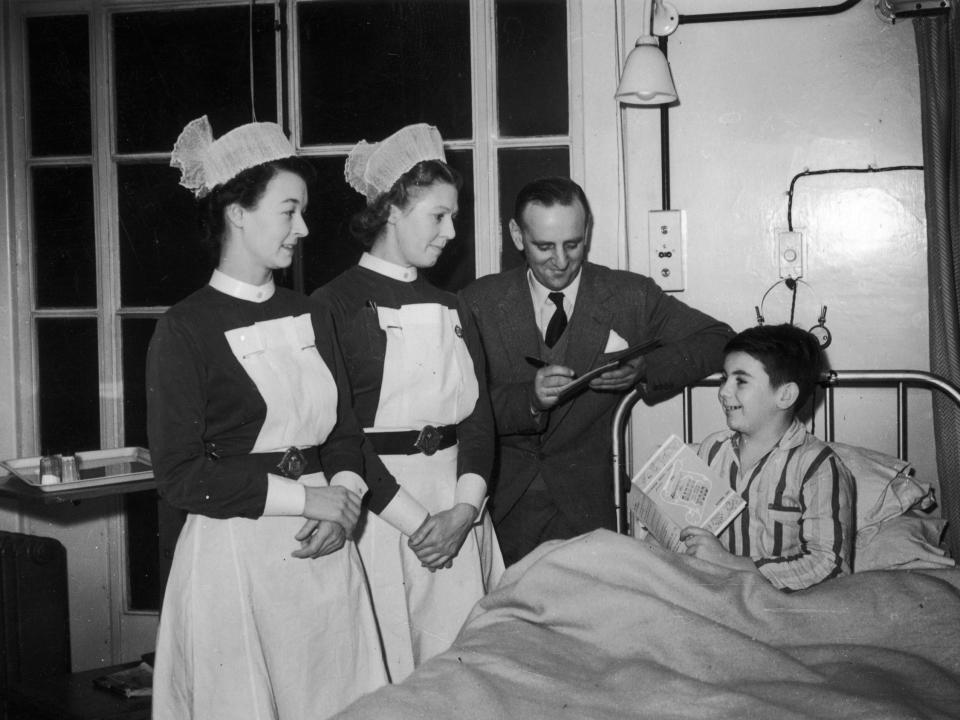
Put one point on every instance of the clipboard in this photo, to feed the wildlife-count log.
(615, 360)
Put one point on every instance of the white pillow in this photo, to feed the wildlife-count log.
(885, 485)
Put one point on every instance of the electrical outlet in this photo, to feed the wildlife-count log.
(790, 253)
(668, 248)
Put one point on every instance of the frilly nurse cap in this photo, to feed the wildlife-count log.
(205, 163)
(372, 169)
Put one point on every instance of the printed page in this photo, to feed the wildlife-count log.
(676, 489)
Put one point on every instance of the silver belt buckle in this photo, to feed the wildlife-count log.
(292, 464)
(428, 441)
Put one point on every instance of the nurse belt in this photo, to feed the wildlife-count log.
(410, 442)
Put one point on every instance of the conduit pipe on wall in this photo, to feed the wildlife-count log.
(727, 17)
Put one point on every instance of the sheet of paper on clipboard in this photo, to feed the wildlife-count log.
(613, 361)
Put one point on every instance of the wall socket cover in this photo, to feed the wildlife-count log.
(668, 248)
(790, 253)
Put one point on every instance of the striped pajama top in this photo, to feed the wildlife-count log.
(798, 525)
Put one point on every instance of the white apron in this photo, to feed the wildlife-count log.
(247, 631)
(428, 379)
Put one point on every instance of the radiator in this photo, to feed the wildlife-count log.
(34, 611)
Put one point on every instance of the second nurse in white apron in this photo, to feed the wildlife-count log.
(417, 378)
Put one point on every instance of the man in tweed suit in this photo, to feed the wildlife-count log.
(553, 478)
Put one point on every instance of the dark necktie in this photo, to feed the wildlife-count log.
(558, 322)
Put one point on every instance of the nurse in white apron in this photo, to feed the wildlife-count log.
(417, 381)
(266, 613)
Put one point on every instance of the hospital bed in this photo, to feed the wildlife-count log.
(608, 626)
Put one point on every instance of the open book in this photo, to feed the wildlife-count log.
(676, 489)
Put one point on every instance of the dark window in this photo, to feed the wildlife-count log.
(329, 249)
(64, 251)
(161, 260)
(59, 57)
(69, 387)
(173, 67)
(457, 264)
(532, 67)
(369, 67)
(517, 168)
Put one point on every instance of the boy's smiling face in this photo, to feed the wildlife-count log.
(749, 400)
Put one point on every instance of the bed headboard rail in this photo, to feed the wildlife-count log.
(901, 380)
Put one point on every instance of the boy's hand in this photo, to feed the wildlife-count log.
(704, 545)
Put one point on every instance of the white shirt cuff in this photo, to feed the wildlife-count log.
(471, 489)
(284, 496)
(351, 481)
(404, 513)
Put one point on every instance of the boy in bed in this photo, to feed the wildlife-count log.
(797, 528)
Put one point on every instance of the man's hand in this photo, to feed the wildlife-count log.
(335, 503)
(621, 378)
(547, 384)
(319, 537)
(704, 545)
(438, 540)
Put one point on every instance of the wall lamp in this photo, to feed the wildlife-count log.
(646, 78)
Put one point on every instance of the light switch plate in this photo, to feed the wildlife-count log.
(790, 253)
(668, 248)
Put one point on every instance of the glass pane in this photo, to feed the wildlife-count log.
(172, 67)
(329, 249)
(69, 385)
(457, 266)
(161, 259)
(369, 67)
(59, 59)
(136, 334)
(532, 67)
(64, 250)
(517, 168)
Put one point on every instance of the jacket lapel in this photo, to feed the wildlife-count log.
(518, 326)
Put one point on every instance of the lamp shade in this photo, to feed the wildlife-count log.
(646, 78)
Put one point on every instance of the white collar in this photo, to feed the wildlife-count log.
(539, 291)
(242, 290)
(385, 267)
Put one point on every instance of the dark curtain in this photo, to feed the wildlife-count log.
(938, 50)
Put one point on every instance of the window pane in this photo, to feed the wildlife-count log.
(172, 67)
(517, 168)
(329, 249)
(69, 385)
(64, 252)
(369, 67)
(59, 60)
(457, 266)
(532, 67)
(161, 259)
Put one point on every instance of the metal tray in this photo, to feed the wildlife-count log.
(94, 467)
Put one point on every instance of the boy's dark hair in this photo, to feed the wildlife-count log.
(787, 353)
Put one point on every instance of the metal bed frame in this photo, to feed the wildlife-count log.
(901, 380)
